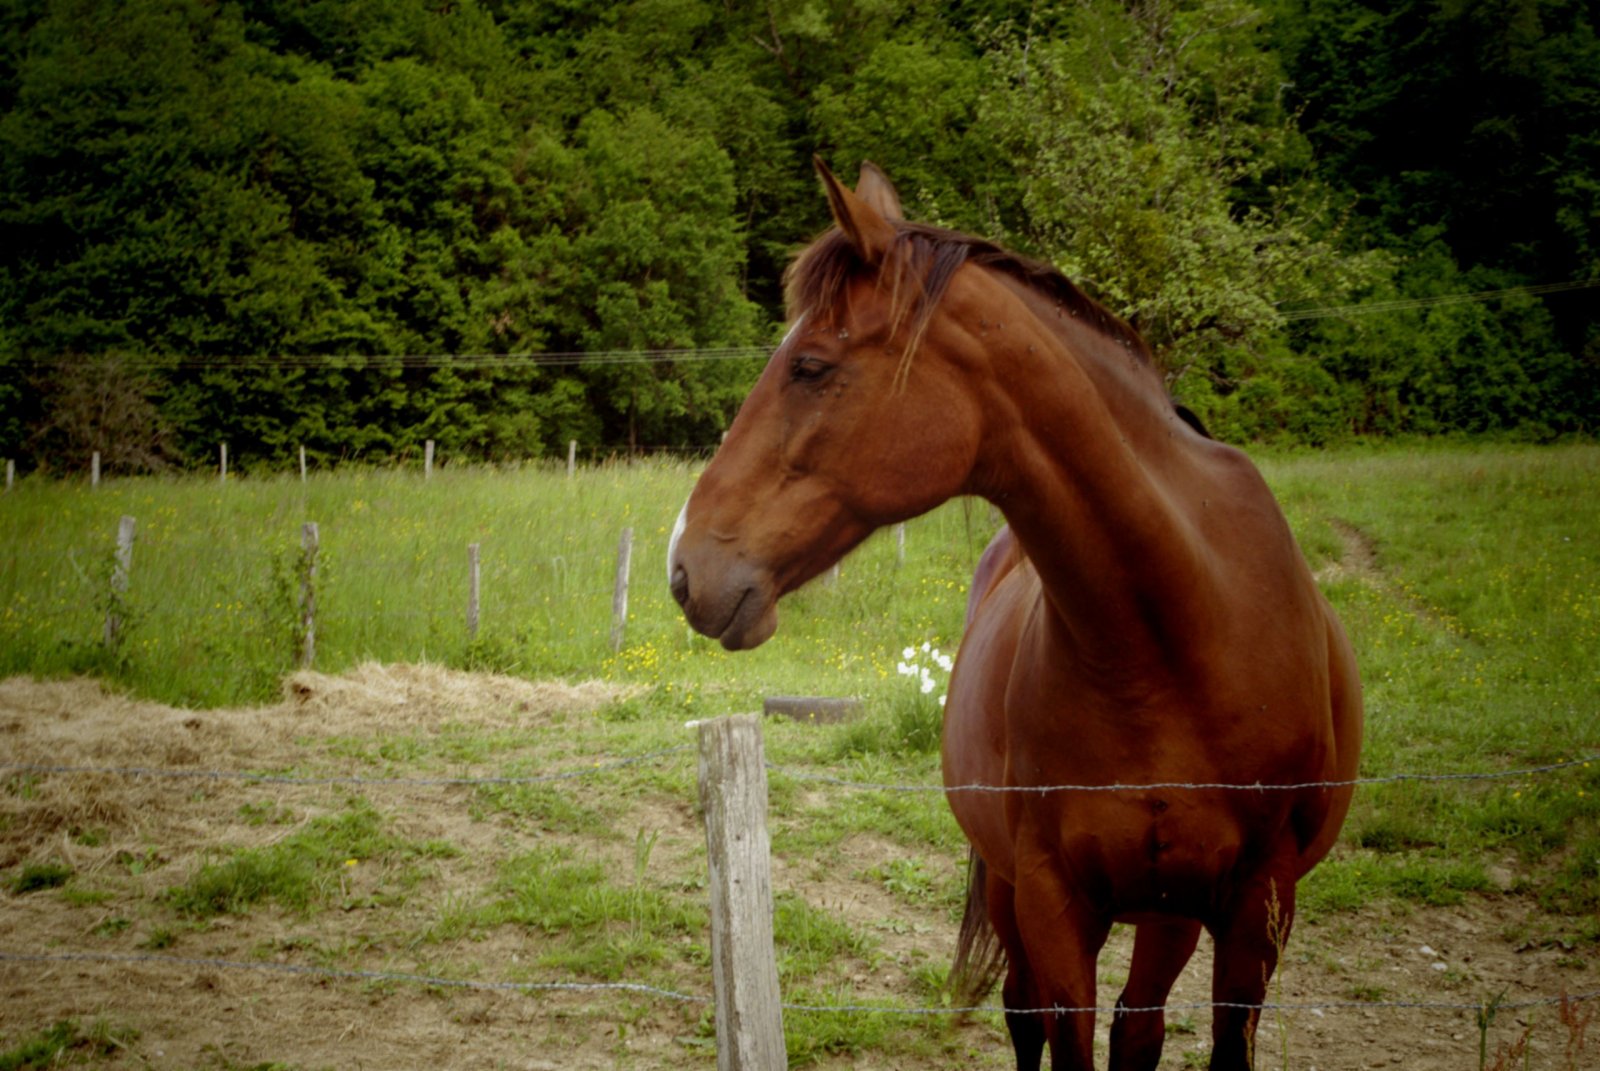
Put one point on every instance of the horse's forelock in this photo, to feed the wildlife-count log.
(914, 274)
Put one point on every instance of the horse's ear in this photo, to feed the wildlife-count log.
(875, 188)
(867, 228)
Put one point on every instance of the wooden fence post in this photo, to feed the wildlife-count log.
(308, 593)
(472, 591)
(224, 454)
(900, 543)
(11, 474)
(119, 580)
(733, 796)
(94, 470)
(302, 464)
(427, 460)
(619, 592)
(572, 457)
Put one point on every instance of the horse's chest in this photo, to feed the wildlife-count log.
(1152, 853)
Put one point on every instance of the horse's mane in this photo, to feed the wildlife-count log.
(918, 269)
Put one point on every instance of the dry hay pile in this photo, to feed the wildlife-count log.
(82, 723)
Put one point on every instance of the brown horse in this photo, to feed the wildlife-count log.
(1145, 619)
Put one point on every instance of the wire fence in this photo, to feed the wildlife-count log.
(795, 772)
(639, 988)
(1031, 790)
(609, 765)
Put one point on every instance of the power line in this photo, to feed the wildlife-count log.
(610, 357)
(378, 362)
(1406, 304)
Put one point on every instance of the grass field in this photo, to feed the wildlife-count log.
(1469, 579)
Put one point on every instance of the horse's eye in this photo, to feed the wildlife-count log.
(807, 369)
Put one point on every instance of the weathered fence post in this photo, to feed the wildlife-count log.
(572, 457)
(224, 454)
(308, 593)
(733, 795)
(94, 469)
(427, 460)
(472, 591)
(302, 464)
(11, 474)
(119, 580)
(900, 543)
(619, 592)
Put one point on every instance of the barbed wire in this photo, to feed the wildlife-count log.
(349, 974)
(352, 974)
(349, 779)
(1205, 1005)
(789, 771)
(1389, 779)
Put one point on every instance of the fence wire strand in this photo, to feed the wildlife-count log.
(1390, 779)
(351, 975)
(797, 774)
(788, 771)
(290, 779)
(824, 1009)
(643, 989)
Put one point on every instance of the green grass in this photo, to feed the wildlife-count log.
(212, 603)
(35, 876)
(1476, 627)
(304, 869)
(64, 1043)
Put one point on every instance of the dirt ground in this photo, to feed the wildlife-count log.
(167, 1007)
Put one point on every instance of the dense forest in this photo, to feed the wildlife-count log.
(502, 224)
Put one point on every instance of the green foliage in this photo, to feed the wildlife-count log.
(327, 225)
(1465, 133)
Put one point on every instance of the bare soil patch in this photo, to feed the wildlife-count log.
(130, 838)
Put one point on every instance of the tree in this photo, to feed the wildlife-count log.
(1158, 169)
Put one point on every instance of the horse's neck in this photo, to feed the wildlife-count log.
(1088, 464)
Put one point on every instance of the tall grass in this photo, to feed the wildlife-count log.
(213, 602)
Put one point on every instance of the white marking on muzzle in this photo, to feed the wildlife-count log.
(672, 544)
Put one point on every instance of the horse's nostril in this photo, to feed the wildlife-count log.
(680, 585)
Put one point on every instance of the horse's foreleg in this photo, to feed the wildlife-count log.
(1062, 934)
(1160, 950)
(1249, 942)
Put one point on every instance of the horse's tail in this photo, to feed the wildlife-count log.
(980, 959)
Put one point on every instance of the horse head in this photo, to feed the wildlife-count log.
(836, 439)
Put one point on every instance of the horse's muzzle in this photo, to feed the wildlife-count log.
(734, 606)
